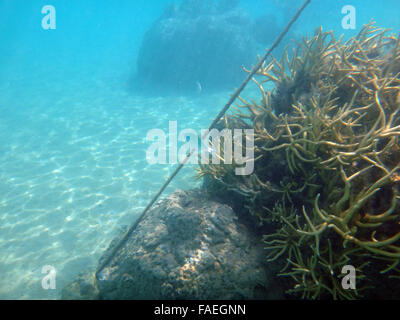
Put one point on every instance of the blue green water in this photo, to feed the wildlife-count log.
(73, 143)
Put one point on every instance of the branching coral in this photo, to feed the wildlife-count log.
(326, 141)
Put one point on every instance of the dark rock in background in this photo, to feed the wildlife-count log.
(197, 46)
(266, 29)
(188, 247)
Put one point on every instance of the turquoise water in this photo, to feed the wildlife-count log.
(73, 143)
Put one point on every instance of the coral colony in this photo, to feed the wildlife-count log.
(327, 157)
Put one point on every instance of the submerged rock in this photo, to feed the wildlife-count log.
(190, 50)
(83, 288)
(188, 247)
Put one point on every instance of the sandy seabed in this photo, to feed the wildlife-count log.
(73, 171)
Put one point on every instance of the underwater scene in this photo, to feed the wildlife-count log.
(199, 149)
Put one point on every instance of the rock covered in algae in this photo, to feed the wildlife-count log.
(82, 288)
(188, 247)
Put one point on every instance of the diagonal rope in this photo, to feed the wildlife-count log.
(133, 226)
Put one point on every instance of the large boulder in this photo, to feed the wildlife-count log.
(188, 247)
(196, 46)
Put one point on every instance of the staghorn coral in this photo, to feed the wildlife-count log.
(327, 160)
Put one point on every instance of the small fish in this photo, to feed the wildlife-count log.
(198, 87)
